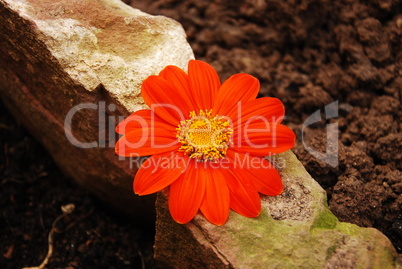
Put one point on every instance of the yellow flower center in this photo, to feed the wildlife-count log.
(205, 137)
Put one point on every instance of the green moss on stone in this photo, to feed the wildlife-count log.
(326, 220)
(330, 251)
(349, 229)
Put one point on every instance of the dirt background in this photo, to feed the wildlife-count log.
(308, 53)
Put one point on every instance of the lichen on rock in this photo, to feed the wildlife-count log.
(294, 230)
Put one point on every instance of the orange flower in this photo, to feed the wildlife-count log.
(207, 142)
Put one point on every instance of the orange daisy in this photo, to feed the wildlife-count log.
(207, 140)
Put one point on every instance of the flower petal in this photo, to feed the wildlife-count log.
(180, 82)
(268, 108)
(204, 83)
(146, 141)
(145, 118)
(263, 138)
(186, 194)
(216, 203)
(244, 199)
(238, 88)
(260, 172)
(167, 101)
(158, 172)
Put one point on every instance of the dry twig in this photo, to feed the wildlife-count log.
(67, 209)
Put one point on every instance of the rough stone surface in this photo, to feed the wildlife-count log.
(55, 55)
(295, 230)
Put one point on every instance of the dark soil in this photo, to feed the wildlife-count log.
(308, 53)
(32, 192)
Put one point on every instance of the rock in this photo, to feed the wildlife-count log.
(70, 69)
(294, 230)
(82, 62)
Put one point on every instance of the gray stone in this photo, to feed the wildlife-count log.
(105, 42)
(56, 55)
(295, 230)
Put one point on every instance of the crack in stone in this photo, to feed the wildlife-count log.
(293, 204)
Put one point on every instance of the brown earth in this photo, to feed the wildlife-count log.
(32, 192)
(308, 53)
